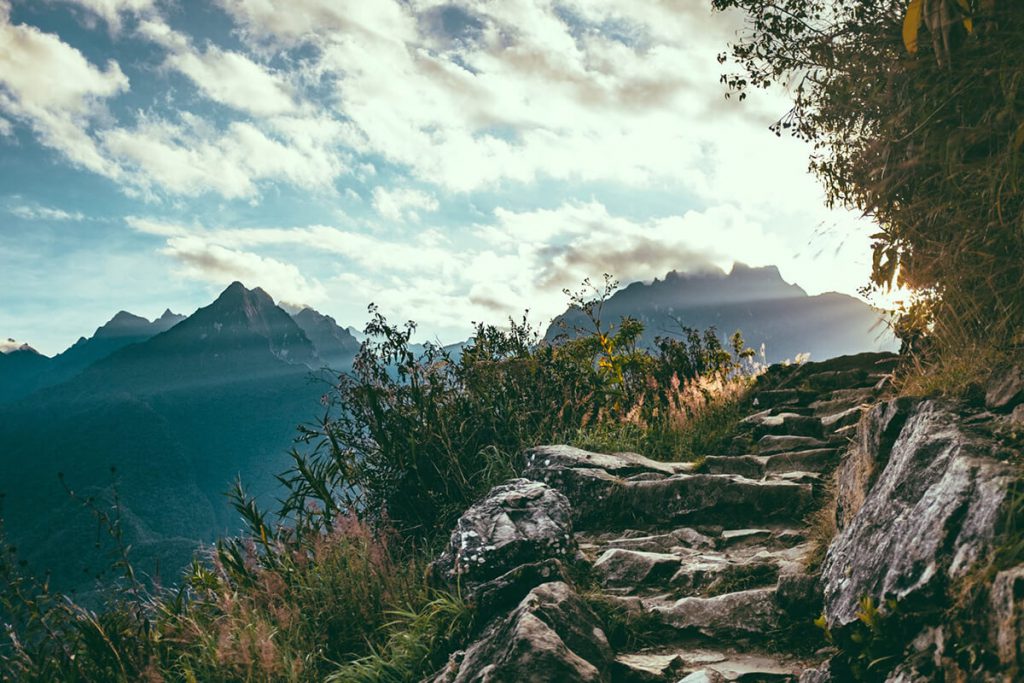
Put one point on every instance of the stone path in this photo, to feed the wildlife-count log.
(711, 556)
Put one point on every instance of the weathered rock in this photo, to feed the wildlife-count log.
(839, 379)
(620, 567)
(836, 421)
(750, 612)
(868, 456)
(930, 516)
(820, 674)
(1007, 619)
(644, 667)
(601, 500)
(707, 675)
(1006, 388)
(788, 424)
(816, 460)
(750, 466)
(618, 464)
(799, 594)
(768, 445)
(519, 522)
(552, 635)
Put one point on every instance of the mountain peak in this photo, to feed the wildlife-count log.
(9, 345)
(123, 324)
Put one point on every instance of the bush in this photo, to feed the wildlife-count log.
(414, 438)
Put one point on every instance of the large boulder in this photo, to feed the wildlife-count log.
(552, 635)
(1006, 388)
(516, 535)
(930, 516)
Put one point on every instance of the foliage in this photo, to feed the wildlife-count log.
(413, 438)
(927, 142)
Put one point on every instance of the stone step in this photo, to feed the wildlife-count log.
(748, 614)
(770, 445)
(843, 399)
(688, 662)
(770, 398)
(750, 558)
(788, 424)
(759, 466)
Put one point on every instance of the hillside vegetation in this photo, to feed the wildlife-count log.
(332, 582)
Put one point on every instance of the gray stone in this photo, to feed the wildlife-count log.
(929, 518)
(1006, 388)
(552, 635)
(768, 445)
(620, 567)
(519, 522)
(707, 675)
(1007, 618)
(750, 466)
(750, 612)
(645, 667)
(788, 424)
(617, 464)
(601, 500)
(836, 421)
(815, 460)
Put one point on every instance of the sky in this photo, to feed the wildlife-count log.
(451, 162)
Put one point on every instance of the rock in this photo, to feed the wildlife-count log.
(519, 522)
(839, 379)
(799, 594)
(750, 466)
(845, 418)
(601, 500)
(930, 516)
(618, 464)
(816, 460)
(620, 567)
(1006, 388)
(867, 457)
(645, 667)
(704, 676)
(750, 612)
(820, 674)
(1007, 618)
(552, 635)
(788, 424)
(768, 445)
(707, 675)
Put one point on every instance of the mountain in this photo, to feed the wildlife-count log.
(335, 345)
(19, 367)
(178, 416)
(120, 331)
(756, 301)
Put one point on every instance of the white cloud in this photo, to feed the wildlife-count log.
(217, 265)
(44, 213)
(8, 345)
(51, 86)
(235, 80)
(402, 203)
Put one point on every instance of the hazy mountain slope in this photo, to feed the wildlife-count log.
(124, 329)
(756, 301)
(180, 415)
(335, 344)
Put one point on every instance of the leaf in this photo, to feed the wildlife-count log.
(968, 21)
(911, 24)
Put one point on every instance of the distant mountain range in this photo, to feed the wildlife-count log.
(757, 301)
(179, 406)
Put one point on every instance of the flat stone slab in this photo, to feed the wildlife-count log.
(744, 613)
(619, 567)
(769, 445)
(618, 464)
(601, 500)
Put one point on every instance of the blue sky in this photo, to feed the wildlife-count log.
(450, 161)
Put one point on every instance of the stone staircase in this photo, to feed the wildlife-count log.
(711, 556)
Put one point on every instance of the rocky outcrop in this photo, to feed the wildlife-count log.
(516, 537)
(707, 564)
(930, 517)
(550, 636)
